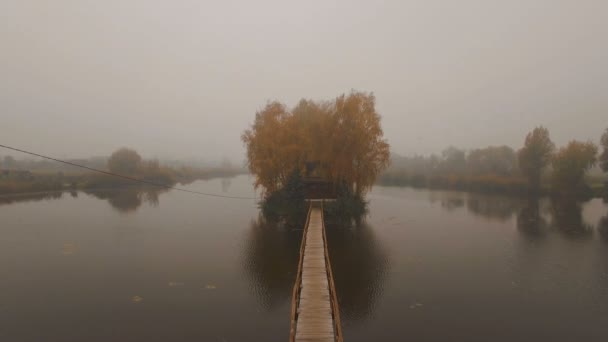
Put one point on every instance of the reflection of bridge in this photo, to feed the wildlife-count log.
(315, 315)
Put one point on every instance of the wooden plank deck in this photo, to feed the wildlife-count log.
(313, 317)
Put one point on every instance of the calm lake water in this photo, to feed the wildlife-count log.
(122, 265)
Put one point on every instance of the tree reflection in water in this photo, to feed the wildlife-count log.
(562, 215)
(452, 203)
(360, 265)
(358, 262)
(494, 207)
(449, 200)
(530, 221)
(271, 256)
(128, 200)
(567, 218)
(602, 227)
(500, 208)
(31, 197)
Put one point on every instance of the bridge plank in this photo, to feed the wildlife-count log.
(314, 318)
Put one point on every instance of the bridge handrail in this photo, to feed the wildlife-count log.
(296, 287)
(332, 287)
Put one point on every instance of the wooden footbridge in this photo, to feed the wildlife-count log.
(315, 315)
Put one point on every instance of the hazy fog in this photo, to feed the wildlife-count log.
(183, 79)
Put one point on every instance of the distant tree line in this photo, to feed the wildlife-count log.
(536, 168)
(21, 176)
(128, 162)
(43, 165)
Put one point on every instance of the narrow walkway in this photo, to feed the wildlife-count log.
(315, 316)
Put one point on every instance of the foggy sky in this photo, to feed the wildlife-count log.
(183, 79)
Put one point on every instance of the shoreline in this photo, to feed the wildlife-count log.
(594, 192)
(89, 184)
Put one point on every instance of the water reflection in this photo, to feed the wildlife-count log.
(226, 183)
(452, 203)
(458, 265)
(567, 218)
(530, 221)
(128, 200)
(500, 208)
(448, 200)
(602, 228)
(33, 197)
(561, 215)
(534, 217)
(122, 200)
(271, 256)
(493, 207)
(360, 265)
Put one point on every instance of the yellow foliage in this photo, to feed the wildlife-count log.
(570, 164)
(343, 137)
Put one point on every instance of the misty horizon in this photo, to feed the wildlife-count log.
(184, 80)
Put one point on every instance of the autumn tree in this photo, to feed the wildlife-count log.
(570, 164)
(268, 146)
(604, 156)
(536, 155)
(343, 137)
(358, 152)
(124, 161)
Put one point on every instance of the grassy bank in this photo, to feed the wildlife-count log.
(482, 183)
(491, 183)
(32, 182)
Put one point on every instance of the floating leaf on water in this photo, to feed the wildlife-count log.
(68, 249)
(415, 305)
(136, 299)
(210, 287)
